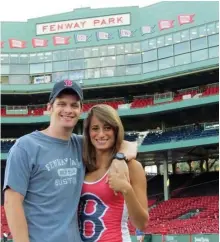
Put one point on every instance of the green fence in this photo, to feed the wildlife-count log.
(205, 238)
(179, 238)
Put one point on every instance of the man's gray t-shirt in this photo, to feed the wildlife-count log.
(49, 173)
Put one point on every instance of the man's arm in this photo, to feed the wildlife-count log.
(17, 176)
(15, 215)
(129, 149)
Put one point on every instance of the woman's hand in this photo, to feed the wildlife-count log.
(119, 182)
(119, 166)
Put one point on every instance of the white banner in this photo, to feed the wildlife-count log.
(103, 36)
(42, 79)
(147, 29)
(81, 37)
(125, 33)
(83, 24)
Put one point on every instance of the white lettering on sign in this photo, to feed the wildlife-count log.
(83, 24)
(41, 79)
(201, 239)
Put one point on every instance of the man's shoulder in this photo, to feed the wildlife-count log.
(22, 146)
(25, 140)
(77, 137)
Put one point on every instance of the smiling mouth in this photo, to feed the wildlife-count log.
(101, 142)
(67, 117)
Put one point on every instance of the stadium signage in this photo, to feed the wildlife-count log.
(14, 43)
(186, 19)
(201, 239)
(41, 79)
(83, 24)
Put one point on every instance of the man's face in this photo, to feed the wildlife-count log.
(65, 111)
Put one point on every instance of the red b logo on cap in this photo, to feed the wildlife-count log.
(68, 83)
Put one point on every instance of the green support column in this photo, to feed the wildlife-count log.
(158, 169)
(163, 126)
(166, 181)
(207, 165)
(174, 168)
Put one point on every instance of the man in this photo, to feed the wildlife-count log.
(45, 172)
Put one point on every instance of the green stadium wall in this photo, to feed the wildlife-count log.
(176, 238)
(205, 12)
(180, 238)
(204, 15)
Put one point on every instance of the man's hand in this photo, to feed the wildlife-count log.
(129, 149)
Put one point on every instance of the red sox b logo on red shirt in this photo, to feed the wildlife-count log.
(68, 83)
(91, 214)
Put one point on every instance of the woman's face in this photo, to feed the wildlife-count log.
(102, 135)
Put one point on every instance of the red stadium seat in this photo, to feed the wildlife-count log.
(137, 103)
(166, 214)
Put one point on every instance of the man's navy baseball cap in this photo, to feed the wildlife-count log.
(65, 85)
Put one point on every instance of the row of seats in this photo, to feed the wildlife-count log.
(6, 145)
(153, 138)
(177, 135)
(4, 224)
(131, 137)
(31, 112)
(211, 91)
(167, 216)
(184, 133)
(144, 102)
(40, 111)
(114, 104)
(137, 102)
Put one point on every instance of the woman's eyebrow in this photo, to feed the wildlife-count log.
(95, 125)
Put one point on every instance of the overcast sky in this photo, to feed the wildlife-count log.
(21, 10)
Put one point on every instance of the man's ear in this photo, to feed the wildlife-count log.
(49, 107)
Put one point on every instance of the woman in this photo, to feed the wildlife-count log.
(103, 215)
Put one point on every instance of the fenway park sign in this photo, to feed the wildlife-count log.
(83, 24)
